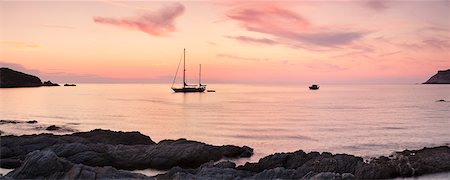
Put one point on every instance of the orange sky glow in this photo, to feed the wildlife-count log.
(360, 41)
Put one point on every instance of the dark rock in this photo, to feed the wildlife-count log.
(234, 151)
(277, 173)
(442, 77)
(9, 122)
(10, 78)
(32, 122)
(108, 148)
(49, 83)
(115, 137)
(225, 164)
(10, 163)
(53, 128)
(404, 164)
(46, 165)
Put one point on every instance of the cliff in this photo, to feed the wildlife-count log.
(10, 78)
(442, 77)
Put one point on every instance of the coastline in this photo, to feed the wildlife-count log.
(124, 151)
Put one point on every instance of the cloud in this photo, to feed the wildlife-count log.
(252, 40)
(268, 19)
(326, 38)
(20, 68)
(232, 56)
(19, 45)
(57, 76)
(56, 26)
(157, 23)
(377, 5)
(321, 66)
(287, 27)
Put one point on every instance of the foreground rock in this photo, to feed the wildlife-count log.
(46, 165)
(442, 77)
(122, 150)
(10, 78)
(314, 165)
(101, 153)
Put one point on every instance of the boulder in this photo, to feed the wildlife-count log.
(129, 150)
(46, 165)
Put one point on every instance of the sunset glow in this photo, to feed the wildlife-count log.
(255, 41)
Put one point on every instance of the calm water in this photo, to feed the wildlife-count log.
(366, 120)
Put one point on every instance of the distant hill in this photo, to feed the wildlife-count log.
(442, 77)
(10, 78)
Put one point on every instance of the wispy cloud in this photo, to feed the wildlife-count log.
(157, 23)
(57, 26)
(251, 40)
(321, 66)
(19, 45)
(19, 67)
(232, 56)
(377, 5)
(287, 27)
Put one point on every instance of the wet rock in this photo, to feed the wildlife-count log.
(32, 122)
(46, 165)
(53, 128)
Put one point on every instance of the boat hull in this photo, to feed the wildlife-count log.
(187, 90)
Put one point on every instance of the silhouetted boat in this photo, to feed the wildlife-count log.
(188, 88)
(314, 87)
(211, 90)
(70, 85)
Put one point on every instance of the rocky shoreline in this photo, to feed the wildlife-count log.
(106, 154)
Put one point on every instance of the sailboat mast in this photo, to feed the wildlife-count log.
(184, 67)
(200, 75)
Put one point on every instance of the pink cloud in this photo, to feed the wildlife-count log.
(232, 56)
(156, 23)
(247, 39)
(377, 5)
(268, 19)
(288, 27)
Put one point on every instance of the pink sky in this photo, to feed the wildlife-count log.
(243, 42)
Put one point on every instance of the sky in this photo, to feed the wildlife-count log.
(334, 41)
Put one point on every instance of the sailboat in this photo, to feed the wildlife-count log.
(186, 87)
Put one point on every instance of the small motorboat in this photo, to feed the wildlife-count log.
(70, 85)
(210, 90)
(314, 87)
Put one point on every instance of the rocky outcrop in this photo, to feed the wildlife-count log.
(314, 165)
(47, 165)
(122, 150)
(10, 79)
(102, 153)
(49, 83)
(442, 77)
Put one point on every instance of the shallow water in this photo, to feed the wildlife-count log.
(365, 120)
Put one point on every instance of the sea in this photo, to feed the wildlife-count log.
(366, 120)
